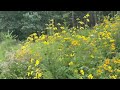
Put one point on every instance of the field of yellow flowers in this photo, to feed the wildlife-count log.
(75, 53)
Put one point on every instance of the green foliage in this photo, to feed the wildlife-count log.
(13, 70)
(24, 23)
(66, 53)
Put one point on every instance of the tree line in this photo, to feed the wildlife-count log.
(23, 23)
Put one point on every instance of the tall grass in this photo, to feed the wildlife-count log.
(7, 44)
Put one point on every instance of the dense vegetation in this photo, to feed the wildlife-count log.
(60, 45)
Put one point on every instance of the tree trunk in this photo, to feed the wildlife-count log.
(95, 16)
(92, 18)
(73, 22)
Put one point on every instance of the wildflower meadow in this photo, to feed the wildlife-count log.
(79, 52)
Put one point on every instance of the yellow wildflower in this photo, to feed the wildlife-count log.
(81, 77)
(118, 70)
(82, 72)
(62, 28)
(81, 22)
(105, 66)
(99, 71)
(37, 62)
(87, 14)
(31, 60)
(28, 73)
(88, 20)
(72, 55)
(90, 76)
(64, 31)
(107, 61)
(113, 77)
(77, 19)
(66, 39)
(55, 28)
(29, 38)
(38, 75)
(31, 72)
(36, 37)
(29, 67)
(74, 43)
(81, 27)
(58, 24)
(112, 41)
(84, 17)
(37, 70)
(71, 63)
(116, 61)
(113, 46)
(110, 69)
(23, 47)
(34, 34)
(107, 26)
(46, 43)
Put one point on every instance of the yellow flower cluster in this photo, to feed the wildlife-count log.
(82, 72)
(33, 70)
(75, 43)
(90, 76)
